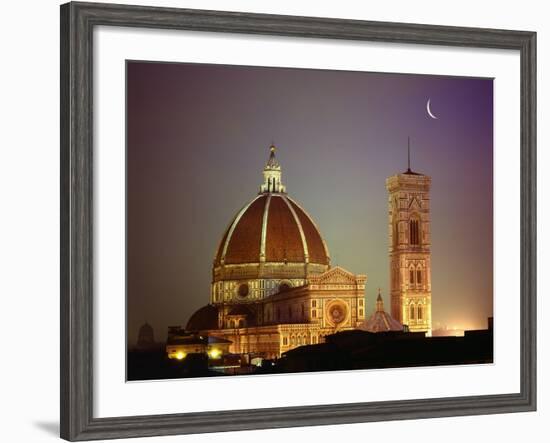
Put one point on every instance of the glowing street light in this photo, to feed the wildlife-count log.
(214, 353)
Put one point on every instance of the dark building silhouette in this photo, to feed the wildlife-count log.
(146, 337)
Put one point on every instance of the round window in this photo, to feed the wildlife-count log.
(243, 290)
(337, 312)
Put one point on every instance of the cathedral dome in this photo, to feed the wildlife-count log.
(272, 228)
(271, 244)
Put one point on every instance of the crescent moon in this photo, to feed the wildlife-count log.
(430, 113)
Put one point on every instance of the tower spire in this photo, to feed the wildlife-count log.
(409, 153)
(379, 302)
(272, 174)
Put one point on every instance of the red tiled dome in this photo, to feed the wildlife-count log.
(275, 227)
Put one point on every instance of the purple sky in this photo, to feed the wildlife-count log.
(198, 138)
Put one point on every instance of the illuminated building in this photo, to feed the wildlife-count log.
(180, 344)
(273, 287)
(410, 256)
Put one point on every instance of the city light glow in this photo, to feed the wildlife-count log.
(214, 353)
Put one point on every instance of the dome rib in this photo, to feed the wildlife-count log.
(317, 248)
(244, 242)
(264, 228)
(221, 246)
(229, 233)
(283, 241)
(272, 228)
(300, 228)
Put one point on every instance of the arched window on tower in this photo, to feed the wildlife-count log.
(419, 275)
(414, 233)
(411, 276)
(420, 313)
(411, 313)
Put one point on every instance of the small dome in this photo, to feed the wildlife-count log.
(204, 318)
(380, 320)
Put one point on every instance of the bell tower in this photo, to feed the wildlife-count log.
(410, 249)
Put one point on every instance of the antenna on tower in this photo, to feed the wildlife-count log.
(409, 153)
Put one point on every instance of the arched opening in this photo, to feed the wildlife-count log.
(414, 232)
(411, 313)
(395, 224)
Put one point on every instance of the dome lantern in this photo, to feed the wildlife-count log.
(272, 175)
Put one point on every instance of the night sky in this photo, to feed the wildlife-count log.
(198, 138)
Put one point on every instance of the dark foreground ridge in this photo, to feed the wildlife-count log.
(342, 351)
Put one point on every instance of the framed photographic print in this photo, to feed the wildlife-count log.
(272, 221)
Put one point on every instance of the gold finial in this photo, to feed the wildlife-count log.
(272, 148)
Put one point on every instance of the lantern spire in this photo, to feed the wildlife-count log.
(272, 174)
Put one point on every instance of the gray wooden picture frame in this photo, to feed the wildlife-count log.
(77, 204)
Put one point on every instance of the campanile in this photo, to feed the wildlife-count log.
(410, 249)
